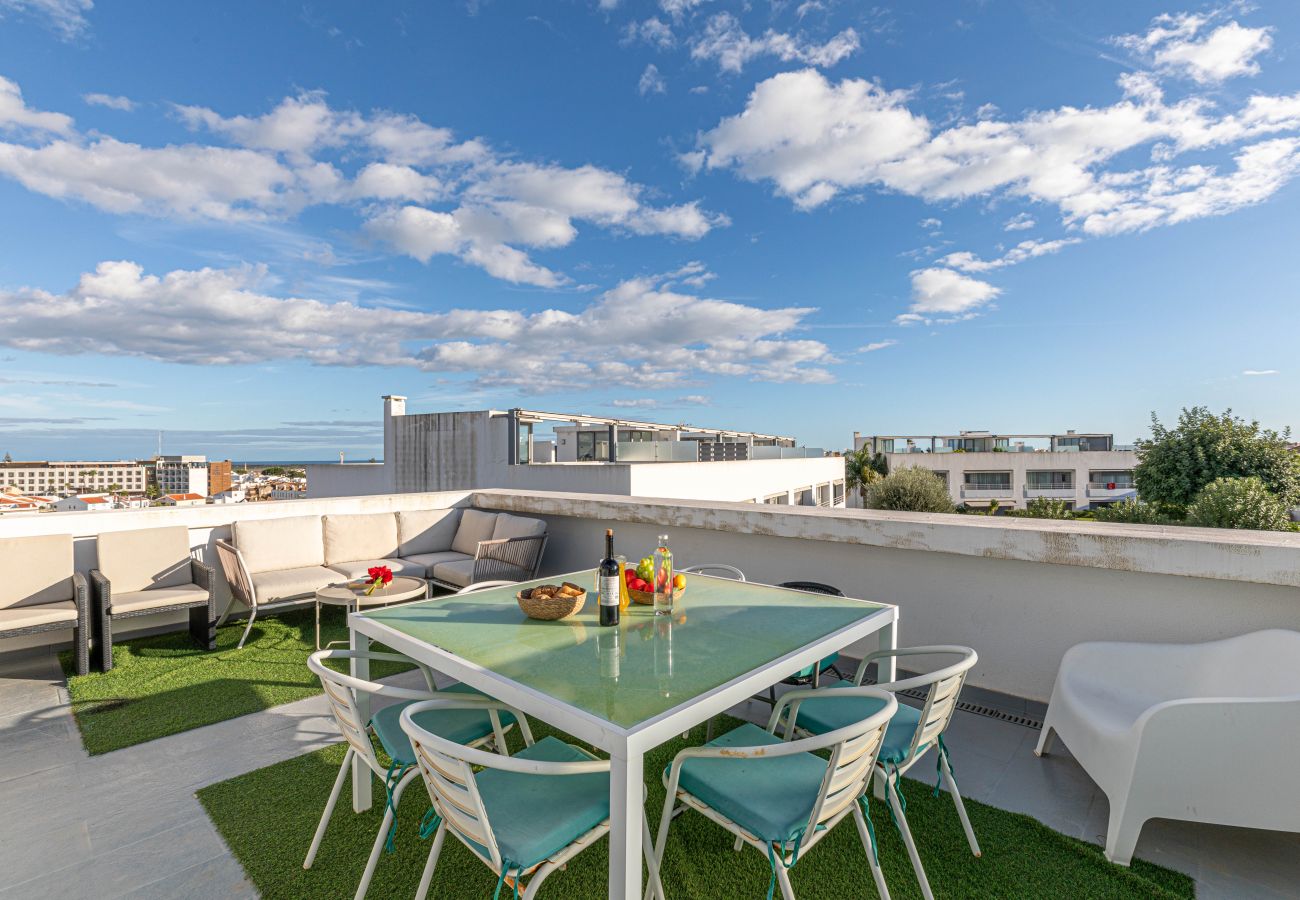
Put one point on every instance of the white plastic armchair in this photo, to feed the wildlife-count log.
(484, 585)
(1198, 732)
(710, 568)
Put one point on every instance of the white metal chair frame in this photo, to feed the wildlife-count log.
(945, 686)
(843, 789)
(713, 567)
(448, 770)
(341, 691)
(483, 586)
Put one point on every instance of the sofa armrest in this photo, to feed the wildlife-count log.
(508, 559)
(205, 577)
(81, 640)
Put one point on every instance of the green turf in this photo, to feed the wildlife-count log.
(267, 817)
(163, 684)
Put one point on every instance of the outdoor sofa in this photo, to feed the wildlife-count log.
(41, 592)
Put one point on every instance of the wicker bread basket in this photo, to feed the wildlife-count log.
(550, 609)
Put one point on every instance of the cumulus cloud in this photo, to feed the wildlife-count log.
(966, 261)
(723, 39)
(111, 101)
(1185, 44)
(66, 18)
(651, 81)
(389, 167)
(1021, 221)
(946, 296)
(653, 403)
(224, 317)
(652, 31)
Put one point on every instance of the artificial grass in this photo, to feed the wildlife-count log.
(268, 816)
(163, 684)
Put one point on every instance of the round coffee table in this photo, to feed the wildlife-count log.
(352, 594)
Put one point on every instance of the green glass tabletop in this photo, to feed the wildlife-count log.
(720, 629)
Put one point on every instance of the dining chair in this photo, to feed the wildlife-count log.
(523, 816)
(780, 796)
(471, 726)
(483, 586)
(730, 571)
(810, 675)
(912, 732)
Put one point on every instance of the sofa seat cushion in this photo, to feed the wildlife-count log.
(32, 616)
(426, 530)
(475, 526)
(287, 584)
(508, 526)
(366, 536)
(459, 572)
(274, 545)
(155, 598)
(426, 561)
(37, 570)
(357, 568)
(146, 558)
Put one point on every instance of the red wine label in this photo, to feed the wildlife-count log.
(609, 591)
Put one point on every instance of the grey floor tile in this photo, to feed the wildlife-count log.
(219, 878)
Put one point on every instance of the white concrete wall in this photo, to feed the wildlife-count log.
(739, 481)
(346, 480)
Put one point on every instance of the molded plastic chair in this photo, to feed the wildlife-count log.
(524, 815)
(1199, 732)
(714, 567)
(778, 796)
(470, 726)
(912, 732)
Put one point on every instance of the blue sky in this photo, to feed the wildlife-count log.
(241, 223)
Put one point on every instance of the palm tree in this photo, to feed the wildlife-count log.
(859, 474)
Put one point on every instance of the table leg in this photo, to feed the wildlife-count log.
(317, 624)
(887, 668)
(626, 807)
(361, 776)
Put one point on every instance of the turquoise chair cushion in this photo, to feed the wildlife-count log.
(464, 726)
(536, 816)
(807, 671)
(771, 797)
(819, 716)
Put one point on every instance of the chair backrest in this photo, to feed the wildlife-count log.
(145, 558)
(36, 570)
(484, 585)
(232, 566)
(944, 688)
(812, 587)
(706, 568)
(448, 771)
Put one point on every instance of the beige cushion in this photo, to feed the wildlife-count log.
(459, 572)
(357, 567)
(427, 530)
(30, 616)
(35, 570)
(291, 543)
(426, 561)
(509, 526)
(369, 536)
(156, 598)
(475, 526)
(290, 583)
(145, 559)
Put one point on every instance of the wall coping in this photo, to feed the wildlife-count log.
(1252, 556)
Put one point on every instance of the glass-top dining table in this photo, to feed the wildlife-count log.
(629, 688)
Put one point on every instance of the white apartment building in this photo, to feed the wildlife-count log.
(181, 474)
(587, 454)
(47, 477)
(82, 504)
(1085, 470)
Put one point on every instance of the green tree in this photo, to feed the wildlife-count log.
(273, 470)
(1239, 503)
(880, 462)
(859, 473)
(152, 492)
(1177, 463)
(910, 490)
(1046, 508)
(1134, 512)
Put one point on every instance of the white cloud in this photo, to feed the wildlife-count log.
(652, 403)
(66, 17)
(968, 262)
(678, 9)
(945, 295)
(385, 181)
(1257, 372)
(298, 125)
(112, 101)
(216, 317)
(930, 224)
(877, 345)
(16, 115)
(651, 81)
(1183, 44)
(1021, 221)
(653, 31)
(724, 40)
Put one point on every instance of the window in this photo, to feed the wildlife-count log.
(942, 475)
(778, 499)
(637, 436)
(1050, 481)
(989, 480)
(1120, 479)
(593, 445)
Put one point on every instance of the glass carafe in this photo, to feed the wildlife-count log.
(663, 575)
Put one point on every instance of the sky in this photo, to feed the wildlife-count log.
(242, 223)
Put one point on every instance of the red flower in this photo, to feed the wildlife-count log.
(380, 575)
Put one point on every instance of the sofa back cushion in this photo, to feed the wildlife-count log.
(427, 530)
(362, 536)
(509, 526)
(271, 544)
(475, 526)
(145, 558)
(35, 570)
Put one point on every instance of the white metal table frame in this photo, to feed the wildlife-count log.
(626, 746)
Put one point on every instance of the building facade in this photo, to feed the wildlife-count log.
(1084, 471)
(219, 476)
(182, 474)
(73, 477)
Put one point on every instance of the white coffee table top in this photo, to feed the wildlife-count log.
(353, 593)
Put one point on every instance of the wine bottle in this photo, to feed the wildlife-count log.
(608, 582)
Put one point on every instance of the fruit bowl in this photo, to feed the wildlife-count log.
(644, 597)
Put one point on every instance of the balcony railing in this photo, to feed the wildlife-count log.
(1111, 486)
(986, 490)
(1053, 490)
